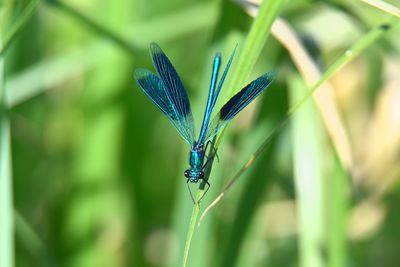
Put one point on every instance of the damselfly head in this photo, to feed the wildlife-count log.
(194, 175)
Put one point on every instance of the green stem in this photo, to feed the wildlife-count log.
(192, 227)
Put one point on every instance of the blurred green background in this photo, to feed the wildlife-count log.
(97, 171)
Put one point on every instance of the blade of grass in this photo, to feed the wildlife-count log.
(51, 72)
(192, 227)
(324, 97)
(271, 239)
(254, 43)
(97, 159)
(252, 48)
(370, 38)
(33, 81)
(94, 26)
(6, 203)
(254, 192)
(382, 5)
(31, 240)
(16, 27)
(337, 203)
(307, 160)
(131, 45)
(310, 72)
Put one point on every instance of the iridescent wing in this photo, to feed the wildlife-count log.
(238, 102)
(167, 92)
(214, 92)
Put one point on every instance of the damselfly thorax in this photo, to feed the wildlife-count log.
(196, 162)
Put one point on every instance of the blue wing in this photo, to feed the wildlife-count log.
(154, 89)
(238, 102)
(214, 92)
(167, 92)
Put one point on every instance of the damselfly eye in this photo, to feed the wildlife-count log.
(186, 173)
(201, 174)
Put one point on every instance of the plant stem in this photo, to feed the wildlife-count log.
(192, 227)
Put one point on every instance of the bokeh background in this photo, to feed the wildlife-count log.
(97, 171)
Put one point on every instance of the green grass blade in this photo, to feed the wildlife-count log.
(308, 168)
(29, 238)
(382, 5)
(15, 28)
(6, 203)
(47, 74)
(94, 26)
(97, 160)
(337, 204)
(369, 39)
(254, 193)
(254, 43)
(191, 229)
(131, 45)
(32, 81)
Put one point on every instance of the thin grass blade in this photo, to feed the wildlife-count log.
(308, 156)
(254, 43)
(384, 6)
(6, 195)
(47, 74)
(338, 202)
(94, 26)
(16, 27)
(369, 39)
